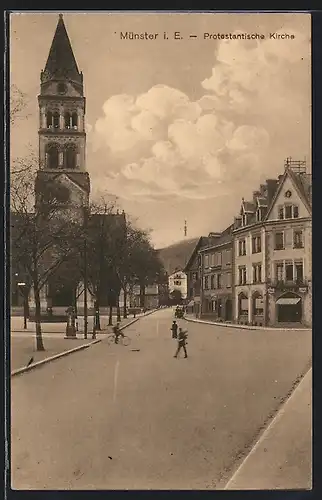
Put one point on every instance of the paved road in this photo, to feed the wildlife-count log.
(113, 418)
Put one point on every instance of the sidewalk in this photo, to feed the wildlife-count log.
(281, 458)
(193, 319)
(23, 342)
(60, 328)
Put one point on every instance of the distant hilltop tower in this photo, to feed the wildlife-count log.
(185, 228)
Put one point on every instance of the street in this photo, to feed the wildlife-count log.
(114, 417)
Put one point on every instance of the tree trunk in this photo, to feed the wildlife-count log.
(142, 296)
(39, 341)
(118, 311)
(125, 303)
(110, 316)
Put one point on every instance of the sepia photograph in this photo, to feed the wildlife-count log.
(160, 251)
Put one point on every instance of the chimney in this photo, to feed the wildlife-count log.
(271, 188)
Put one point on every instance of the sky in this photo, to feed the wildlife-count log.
(177, 129)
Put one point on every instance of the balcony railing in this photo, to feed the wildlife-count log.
(288, 284)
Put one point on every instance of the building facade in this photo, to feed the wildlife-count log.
(272, 252)
(178, 282)
(217, 279)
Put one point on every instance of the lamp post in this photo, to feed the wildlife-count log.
(85, 273)
(23, 288)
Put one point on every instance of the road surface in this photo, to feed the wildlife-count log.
(110, 417)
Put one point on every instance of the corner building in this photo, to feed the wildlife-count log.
(272, 252)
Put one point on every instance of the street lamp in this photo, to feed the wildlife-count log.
(23, 288)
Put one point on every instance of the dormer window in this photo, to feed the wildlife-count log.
(258, 215)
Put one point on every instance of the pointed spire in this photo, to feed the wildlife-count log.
(61, 62)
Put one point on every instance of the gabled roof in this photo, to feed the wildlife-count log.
(225, 237)
(79, 178)
(61, 62)
(302, 183)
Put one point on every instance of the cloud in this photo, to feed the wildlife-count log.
(161, 143)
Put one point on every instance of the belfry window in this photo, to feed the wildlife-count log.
(52, 156)
(74, 120)
(56, 119)
(70, 157)
(67, 118)
(49, 119)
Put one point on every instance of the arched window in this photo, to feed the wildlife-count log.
(70, 157)
(49, 119)
(67, 119)
(56, 119)
(74, 120)
(52, 156)
(242, 304)
(258, 304)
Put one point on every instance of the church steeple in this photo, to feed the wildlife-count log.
(61, 62)
(62, 136)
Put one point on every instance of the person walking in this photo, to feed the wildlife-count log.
(182, 342)
(174, 329)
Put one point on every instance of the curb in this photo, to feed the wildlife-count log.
(70, 351)
(51, 358)
(246, 327)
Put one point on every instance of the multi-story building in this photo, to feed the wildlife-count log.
(272, 252)
(178, 282)
(216, 278)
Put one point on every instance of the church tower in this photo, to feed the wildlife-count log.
(62, 137)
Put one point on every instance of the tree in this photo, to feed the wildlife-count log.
(176, 297)
(105, 234)
(42, 236)
(18, 102)
(137, 263)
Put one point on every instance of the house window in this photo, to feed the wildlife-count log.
(228, 280)
(289, 271)
(257, 273)
(288, 211)
(242, 275)
(228, 257)
(212, 281)
(298, 239)
(70, 157)
(217, 259)
(256, 244)
(299, 270)
(244, 220)
(281, 213)
(206, 282)
(279, 241)
(279, 271)
(242, 247)
(218, 280)
(295, 212)
(206, 261)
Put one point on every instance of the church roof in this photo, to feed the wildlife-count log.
(61, 62)
(80, 178)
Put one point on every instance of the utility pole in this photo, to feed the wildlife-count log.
(85, 273)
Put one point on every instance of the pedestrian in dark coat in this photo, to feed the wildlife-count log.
(182, 341)
(174, 329)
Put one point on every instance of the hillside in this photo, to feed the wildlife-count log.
(177, 255)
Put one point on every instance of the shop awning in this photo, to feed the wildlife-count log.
(288, 301)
